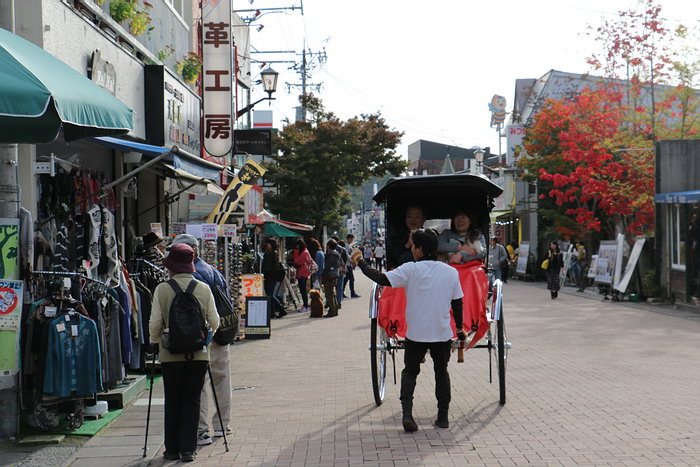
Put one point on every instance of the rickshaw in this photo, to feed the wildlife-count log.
(439, 196)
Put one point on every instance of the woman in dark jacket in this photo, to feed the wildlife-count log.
(556, 262)
(272, 271)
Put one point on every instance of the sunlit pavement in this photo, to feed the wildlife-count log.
(589, 382)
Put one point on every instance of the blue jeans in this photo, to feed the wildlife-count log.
(339, 289)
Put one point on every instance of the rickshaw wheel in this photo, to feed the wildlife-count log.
(502, 351)
(378, 351)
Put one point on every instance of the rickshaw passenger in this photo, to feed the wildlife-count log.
(462, 242)
(415, 218)
(432, 288)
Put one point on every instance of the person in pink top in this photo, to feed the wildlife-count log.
(302, 263)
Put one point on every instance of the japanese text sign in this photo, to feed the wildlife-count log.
(217, 77)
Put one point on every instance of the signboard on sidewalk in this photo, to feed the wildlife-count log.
(605, 264)
(258, 313)
(631, 263)
(523, 253)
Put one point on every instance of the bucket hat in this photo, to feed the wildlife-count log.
(180, 259)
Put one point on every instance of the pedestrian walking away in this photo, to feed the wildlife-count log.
(183, 373)
(379, 256)
(219, 357)
(432, 289)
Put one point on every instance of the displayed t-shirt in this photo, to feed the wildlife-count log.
(430, 288)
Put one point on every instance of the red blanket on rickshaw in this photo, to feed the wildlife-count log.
(392, 304)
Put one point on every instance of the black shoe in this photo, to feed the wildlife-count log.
(187, 456)
(409, 424)
(355, 296)
(345, 296)
(330, 315)
(171, 456)
(441, 421)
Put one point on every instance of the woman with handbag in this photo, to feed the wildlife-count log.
(556, 262)
(303, 265)
(316, 253)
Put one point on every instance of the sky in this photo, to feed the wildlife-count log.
(430, 68)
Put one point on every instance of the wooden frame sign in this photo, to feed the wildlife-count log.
(257, 323)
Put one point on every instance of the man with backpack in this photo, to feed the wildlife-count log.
(219, 352)
(183, 319)
(329, 277)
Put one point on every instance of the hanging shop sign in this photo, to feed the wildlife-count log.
(242, 182)
(252, 142)
(10, 305)
(177, 228)
(103, 73)
(217, 76)
(515, 135)
(254, 205)
(523, 255)
(172, 111)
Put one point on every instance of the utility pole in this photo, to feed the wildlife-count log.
(309, 62)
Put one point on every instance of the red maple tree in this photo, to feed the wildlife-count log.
(584, 159)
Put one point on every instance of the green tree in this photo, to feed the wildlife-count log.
(317, 159)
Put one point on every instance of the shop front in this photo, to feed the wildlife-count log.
(678, 219)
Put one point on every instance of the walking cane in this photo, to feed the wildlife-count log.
(216, 403)
(150, 396)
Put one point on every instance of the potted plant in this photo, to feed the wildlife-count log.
(189, 67)
(121, 10)
(140, 19)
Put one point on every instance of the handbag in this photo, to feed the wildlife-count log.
(313, 267)
(545, 264)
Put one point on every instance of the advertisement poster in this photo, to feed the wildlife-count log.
(9, 248)
(523, 253)
(177, 228)
(10, 305)
(605, 264)
(592, 266)
(157, 228)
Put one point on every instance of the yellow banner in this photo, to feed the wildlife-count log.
(247, 176)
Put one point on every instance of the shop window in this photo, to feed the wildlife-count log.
(677, 235)
(177, 5)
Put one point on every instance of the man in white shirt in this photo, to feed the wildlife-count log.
(379, 256)
(432, 289)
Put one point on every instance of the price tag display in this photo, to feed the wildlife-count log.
(228, 230)
(209, 231)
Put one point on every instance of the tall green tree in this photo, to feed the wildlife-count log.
(318, 158)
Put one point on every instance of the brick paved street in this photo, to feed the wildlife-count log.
(589, 383)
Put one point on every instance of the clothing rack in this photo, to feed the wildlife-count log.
(70, 274)
(148, 263)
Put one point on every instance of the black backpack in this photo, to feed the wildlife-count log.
(187, 330)
(228, 323)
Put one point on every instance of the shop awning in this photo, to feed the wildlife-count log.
(273, 229)
(202, 186)
(39, 95)
(496, 214)
(678, 197)
(265, 216)
(182, 160)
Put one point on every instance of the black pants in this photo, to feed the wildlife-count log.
(412, 357)
(302, 290)
(183, 383)
(350, 279)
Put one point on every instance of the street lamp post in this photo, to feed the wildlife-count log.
(269, 82)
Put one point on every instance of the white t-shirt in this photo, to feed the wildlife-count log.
(379, 252)
(430, 288)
